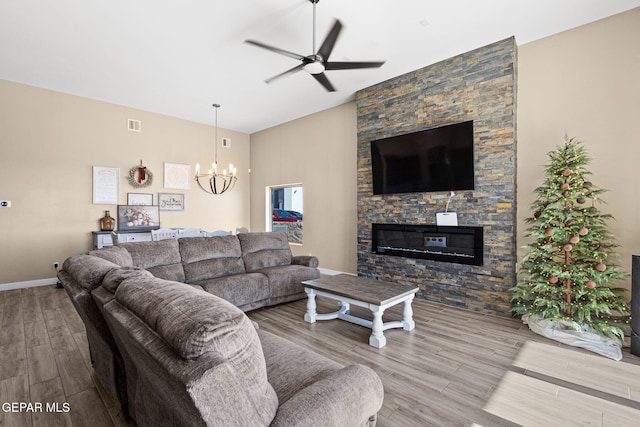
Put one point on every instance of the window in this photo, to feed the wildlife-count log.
(285, 210)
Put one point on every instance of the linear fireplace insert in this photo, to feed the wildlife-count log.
(458, 244)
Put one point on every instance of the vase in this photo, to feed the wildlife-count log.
(107, 222)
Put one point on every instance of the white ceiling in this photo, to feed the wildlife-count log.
(178, 57)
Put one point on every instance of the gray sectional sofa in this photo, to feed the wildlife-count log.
(169, 339)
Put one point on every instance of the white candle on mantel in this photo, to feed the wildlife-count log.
(197, 168)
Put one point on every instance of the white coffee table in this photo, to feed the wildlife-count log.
(375, 295)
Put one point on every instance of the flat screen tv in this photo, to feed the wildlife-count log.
(438, 159)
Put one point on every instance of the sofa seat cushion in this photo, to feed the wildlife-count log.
(314, 390)
(290, 367)
(240, 289)
(115, 254)
(285, 280)
(87, 270)
(210, 257)
(160, 258)
(264, 249)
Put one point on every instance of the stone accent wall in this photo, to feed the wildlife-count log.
(479, 86)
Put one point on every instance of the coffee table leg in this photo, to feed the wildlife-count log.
(377, 338)
(345, 307)
(310, 315)
(407, 315)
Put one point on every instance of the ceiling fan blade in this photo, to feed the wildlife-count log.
(330, 41)
(350, 65)
(324, 81)
(290, 71)
(276, 50)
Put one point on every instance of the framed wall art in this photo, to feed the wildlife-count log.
(105, 185)
(138, 218)
(139, 199)
(177, 176)
(171, 201)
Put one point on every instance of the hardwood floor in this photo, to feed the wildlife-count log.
(44, 359)
(442, 373)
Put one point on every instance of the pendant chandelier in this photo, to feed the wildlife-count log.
(215, 182)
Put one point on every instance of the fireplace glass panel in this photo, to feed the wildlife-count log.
(458, 244)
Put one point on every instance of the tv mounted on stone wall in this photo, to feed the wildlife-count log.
(431, 160)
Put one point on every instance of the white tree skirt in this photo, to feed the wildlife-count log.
(572, 334)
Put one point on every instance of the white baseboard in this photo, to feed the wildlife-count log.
(329, 272)
(28, 284)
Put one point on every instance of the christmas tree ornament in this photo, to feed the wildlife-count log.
(574, 239)
(553, 280)
(590, 284)
(567, 248)
(581, 200)
(588, 184)
(566, 172)
(583, 231)
(549, 232)
(564, 186)
(601, 267)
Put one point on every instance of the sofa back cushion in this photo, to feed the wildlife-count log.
(115, 254)
(203, 328)
(206, 258)
(264, 249)
(113, 278)
(160, 258)
(88, 270)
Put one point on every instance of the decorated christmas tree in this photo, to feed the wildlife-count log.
(569, 270)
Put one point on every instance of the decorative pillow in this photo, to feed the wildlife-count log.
(88, 270)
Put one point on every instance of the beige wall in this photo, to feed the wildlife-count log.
(582, 82)
(49, 142)
(318, 151)
(585, 83)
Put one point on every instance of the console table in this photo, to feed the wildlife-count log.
(104, 238)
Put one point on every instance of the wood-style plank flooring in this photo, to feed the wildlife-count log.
(442, 373)
(44, 359)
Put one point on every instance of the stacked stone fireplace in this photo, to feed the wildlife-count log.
(479, 86)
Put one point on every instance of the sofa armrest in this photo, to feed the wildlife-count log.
(351, 396)
(306, 260)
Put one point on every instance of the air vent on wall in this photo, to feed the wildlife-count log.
(134, 125)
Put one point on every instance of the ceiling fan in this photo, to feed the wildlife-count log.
(317, 63)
